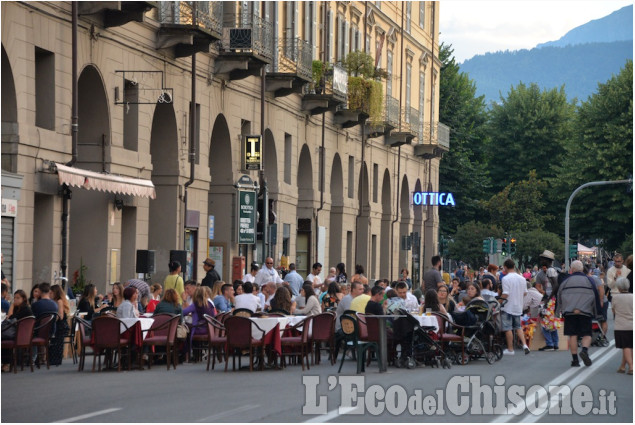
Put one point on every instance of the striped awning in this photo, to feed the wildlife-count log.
(77, 177)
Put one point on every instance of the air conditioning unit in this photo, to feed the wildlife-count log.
(240, 38)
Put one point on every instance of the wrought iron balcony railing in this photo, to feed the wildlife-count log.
(436, 134)
(295, 56)
(334, 82)
(413, 119)
(208, 14)
(247, 32)
(392, 111)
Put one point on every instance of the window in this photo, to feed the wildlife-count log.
(368, 40)
(408, 85)
(351, 177)
(375, 182)
(130, 116)
(432, 111)
(422, 96)
(287, 158)
(408, 16)
(44, 89)
(389, 72)
(378, 50)
(422, 14)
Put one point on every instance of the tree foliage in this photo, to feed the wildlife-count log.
(602, 150)
(467, 243)
(462, 170)
(530, 244)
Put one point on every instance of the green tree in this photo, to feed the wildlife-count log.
(528, 131)
(602, 150)
(467, 242)
(462, 170)
(519, 205)
(530, 244)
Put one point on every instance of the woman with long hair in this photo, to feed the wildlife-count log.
(56, 349)
(431, 301)
(18, 310)
(198, 308)
(35, 293)
(445, 299)
(341, 273)
(333, 296)
(87, 302)
(116, 297)
(311, 304)
(281, 300)
(217, 288)
(169, 303)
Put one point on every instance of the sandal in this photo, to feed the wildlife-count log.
(630, 372)
(621, 370)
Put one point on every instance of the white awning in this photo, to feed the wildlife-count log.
(86, 179)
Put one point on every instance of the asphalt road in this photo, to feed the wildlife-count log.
(191, 394)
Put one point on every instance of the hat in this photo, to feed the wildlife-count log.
(548, 254)
(209, 262)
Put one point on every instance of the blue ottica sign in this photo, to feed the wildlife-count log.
(432, 198)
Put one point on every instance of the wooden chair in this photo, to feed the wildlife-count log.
(300, 343)
(323, 332)
(217, 339)
(242, 312)
(162, 333)
(239, 337)
(106, 336)
(22, 341)
(350, 329)
(42, 335)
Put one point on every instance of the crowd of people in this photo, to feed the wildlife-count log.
(542, 293)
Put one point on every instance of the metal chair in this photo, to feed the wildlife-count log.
(323, 332)
(239, 337)
(300, 343)
(106, 336)
(23, 338)
(243, 312)
(42, 335)
(162, 333)
(217, 339)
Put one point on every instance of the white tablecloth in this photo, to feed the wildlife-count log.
(428, 321)
(294, 320)
(146, 324)
(267, 324)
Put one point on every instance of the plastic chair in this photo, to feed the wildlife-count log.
(350, 330)
(239, 337)
(298, 342)
(162, 333)
(23, 338)
(323, 332)
(217, 339)
(371, 325)
(106, 335)
(42, 334)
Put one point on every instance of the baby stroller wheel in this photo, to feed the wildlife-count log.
(438, 363)
(498, 351)
(464, 359)
(490, 357)
(410, 364)
(447, 364)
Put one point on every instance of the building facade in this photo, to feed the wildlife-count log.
(140, 169)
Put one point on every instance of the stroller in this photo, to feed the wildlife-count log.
(478, 326)
(598, 337)
(426, 349)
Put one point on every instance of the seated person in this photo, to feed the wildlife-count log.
(281, 300)
(5, 302)
(431, 301)
(128, 308)
(224, 301)
(169, 304)
(376, 303)
(199, 307)
(247, 299)
(87, 302)
(18, 310)
(445, 299)
(312, 305)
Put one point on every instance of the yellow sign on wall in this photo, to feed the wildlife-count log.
(253, 153)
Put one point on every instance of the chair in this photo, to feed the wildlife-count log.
(371, 331)
(84, 327)
(199, 342)
(42, 335)
(239, 336)
(217, 339)
(323, 332)
(243, 312)
(276, 315)
(162, 333)
(300, 342)
(222, 316)
(70, 337)
(350, 330)
(446, 338)
(23, 337)
(279, 311)
(106, 336)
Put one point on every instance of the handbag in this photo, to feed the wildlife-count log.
(9, 328)
(182, 331)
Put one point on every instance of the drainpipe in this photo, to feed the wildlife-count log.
(66, 192)
(392, 225)
(263, 179)
(429, 210)
(322, 164)
(193, 131)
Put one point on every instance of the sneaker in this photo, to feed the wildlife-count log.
(584, 355)
(507, 352)
(575, 363)
(526, 349)
(546, 348)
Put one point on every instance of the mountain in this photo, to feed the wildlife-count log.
(585, 56)
(618, 26)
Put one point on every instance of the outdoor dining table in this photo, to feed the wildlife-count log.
(136, 329)
(273, 328)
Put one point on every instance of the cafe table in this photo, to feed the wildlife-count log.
(273, 328)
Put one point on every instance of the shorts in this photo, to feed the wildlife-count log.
(510, 322)
(577, 324)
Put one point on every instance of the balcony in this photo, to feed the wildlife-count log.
(434, 141)
(389, 121)
(181, 32)
(246, 46)
(329, 94)
(292, 69)
(406, 130)
(116, 13)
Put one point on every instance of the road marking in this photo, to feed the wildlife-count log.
(331, 415)
(89, 415)
(558, 380)
(229, 413)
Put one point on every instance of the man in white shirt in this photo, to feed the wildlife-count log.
(251, 276)
(268, 291)
(314, 277)
(410, 301)
(268, 274)
(514, 290)
(247, 299)
(618, 270)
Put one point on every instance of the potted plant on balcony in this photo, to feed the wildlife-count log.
(365, 90)
(318, 70)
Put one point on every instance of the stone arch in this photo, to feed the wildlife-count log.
(304, 212)
(386, 218)
(271, 163)
(93, 119)
(417, 227)
(10, 133)
(336, 239)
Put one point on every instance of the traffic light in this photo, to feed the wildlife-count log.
(573, 250)
(487, 246)
(505, 247)
(512, 246)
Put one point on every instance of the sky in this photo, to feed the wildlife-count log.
(477, 27)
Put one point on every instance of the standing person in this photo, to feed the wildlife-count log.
(314, 277)
(268, 274)
(405, 278)
(432, 278)
(294, 280)
(629, 265)
(550, 325)
(618, 270)
(359, 275)
(341, 273)
(211, 275)
(251, 276)
(623, 311)
(579, 302)
(174, 280)
(514, 289)
(604, 301)
(56, 350)
(332, 276)
(547, 277)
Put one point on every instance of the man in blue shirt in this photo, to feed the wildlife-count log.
(45, 304)
(223, 302)
(294, 280)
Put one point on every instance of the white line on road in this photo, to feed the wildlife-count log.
(331, 415)
(226, 413)
(89, 415)
(520, 408)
